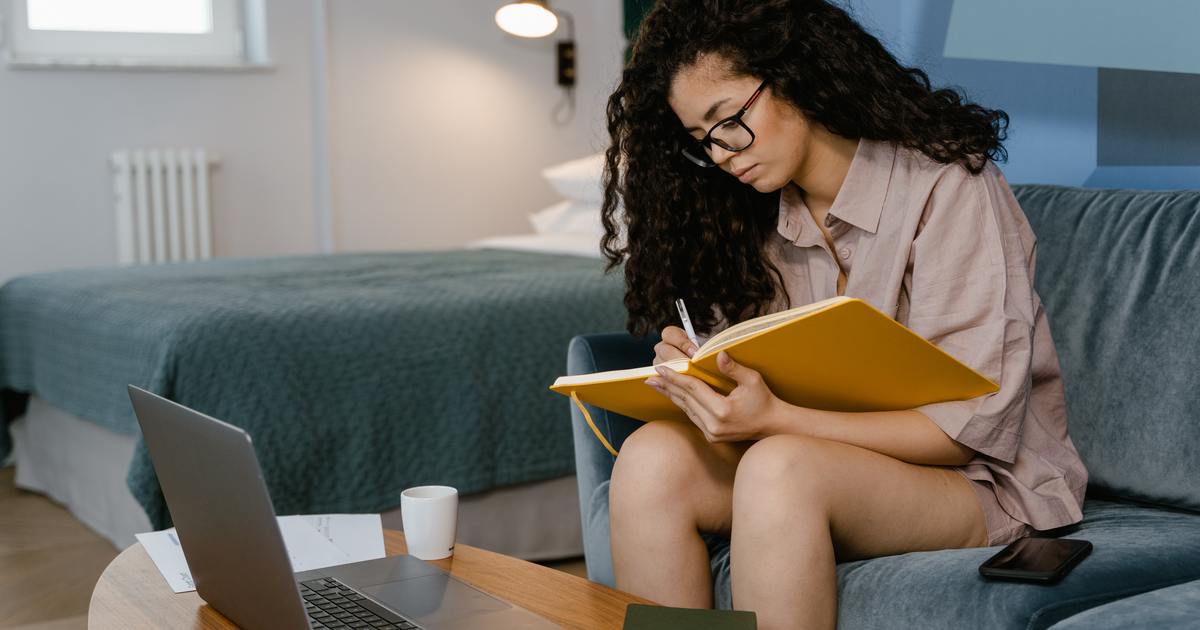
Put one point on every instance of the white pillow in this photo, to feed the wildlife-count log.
(568, 217)
(578, 179)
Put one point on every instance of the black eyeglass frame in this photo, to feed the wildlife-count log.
(704, 160)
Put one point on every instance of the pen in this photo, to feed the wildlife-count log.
(687, 322)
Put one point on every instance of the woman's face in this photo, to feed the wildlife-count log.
(704, 93)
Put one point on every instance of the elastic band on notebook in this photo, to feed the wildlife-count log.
(587, 416)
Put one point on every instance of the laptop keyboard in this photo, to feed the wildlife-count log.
(331, 604)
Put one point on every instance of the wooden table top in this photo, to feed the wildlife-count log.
(131, 593)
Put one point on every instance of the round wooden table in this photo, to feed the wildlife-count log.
(131, 594)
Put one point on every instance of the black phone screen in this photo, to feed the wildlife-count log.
(1041, 559)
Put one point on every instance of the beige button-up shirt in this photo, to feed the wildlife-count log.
(951, 256)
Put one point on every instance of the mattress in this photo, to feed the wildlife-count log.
(83, 465)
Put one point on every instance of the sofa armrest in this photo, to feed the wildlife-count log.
(593, 463)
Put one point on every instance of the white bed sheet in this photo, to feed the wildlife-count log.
(583, 245)
(82, 466)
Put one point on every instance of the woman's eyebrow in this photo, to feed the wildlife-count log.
(712, 111)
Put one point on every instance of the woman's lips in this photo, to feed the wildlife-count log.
(746, 175)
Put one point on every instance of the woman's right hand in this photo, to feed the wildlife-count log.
(674, 345)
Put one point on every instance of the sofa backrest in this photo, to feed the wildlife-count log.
(1119, 274)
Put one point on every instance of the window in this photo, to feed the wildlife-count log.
(132, 32)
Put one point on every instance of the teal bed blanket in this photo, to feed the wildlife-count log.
(356, 375)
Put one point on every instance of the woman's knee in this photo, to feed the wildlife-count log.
(790, 467)
(658, 451)
(658, 461)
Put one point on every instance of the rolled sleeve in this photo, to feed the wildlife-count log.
(972, 296)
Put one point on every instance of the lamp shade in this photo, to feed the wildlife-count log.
(529, 18)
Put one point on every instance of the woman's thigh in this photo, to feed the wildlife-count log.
(669, 467)
(876, 505)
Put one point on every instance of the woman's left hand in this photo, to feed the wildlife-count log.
(745, 414)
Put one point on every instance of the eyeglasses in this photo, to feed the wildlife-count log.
(730, 134)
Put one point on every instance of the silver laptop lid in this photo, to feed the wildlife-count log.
(222, 512)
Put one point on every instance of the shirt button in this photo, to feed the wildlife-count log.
(844, 253)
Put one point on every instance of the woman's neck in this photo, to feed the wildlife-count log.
(825, 165)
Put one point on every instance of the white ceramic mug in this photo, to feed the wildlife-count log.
(430, 518)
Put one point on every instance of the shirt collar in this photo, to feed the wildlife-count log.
(860, 200)
(795, 222)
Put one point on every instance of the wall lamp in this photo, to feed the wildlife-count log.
(533, 19)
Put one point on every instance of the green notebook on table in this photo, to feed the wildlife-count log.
(641, 617)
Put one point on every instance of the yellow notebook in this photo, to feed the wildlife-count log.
(839, 354)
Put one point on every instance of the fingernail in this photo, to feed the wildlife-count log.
(652, 383)
(661, 370)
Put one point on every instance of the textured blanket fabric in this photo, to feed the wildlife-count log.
(356, 375)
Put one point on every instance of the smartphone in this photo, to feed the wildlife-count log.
(1040, 560)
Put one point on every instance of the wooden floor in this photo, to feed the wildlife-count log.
(49, 562)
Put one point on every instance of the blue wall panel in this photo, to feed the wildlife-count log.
(1155, 35)
(1144, 122)
(1052, 135)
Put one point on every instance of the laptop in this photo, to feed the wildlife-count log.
(226, 525)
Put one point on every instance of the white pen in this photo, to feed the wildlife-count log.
(687, 322)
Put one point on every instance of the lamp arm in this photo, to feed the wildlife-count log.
(570, 23)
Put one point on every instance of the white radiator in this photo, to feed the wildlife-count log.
(162, 205)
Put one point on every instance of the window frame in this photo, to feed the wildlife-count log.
(225, 45)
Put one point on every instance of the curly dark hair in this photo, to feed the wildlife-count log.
(698, 234)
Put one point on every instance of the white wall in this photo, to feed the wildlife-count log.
(441, 122)
(467, 168)
(58, 127)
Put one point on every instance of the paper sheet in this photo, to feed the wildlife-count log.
(360, 536)
(313, 542)
(163, 547)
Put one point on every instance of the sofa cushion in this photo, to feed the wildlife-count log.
(1172, 607)
(1136, 549)
(1119, 274)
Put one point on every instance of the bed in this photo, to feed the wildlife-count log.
(357, 375)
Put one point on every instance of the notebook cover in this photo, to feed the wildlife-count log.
(847, 357)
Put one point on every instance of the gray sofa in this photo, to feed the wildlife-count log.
(1119, 273)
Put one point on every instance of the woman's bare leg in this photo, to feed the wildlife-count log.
(669, 484)
(800, 504)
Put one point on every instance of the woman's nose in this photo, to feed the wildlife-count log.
(719, 154)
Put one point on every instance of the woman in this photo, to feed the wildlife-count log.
(772, 153)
